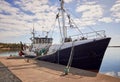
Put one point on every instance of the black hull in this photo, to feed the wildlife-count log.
(87, 56)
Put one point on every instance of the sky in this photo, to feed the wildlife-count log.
(17, 17)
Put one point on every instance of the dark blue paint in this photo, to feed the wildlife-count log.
(86, 56)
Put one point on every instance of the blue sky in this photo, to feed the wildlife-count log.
(17, 17)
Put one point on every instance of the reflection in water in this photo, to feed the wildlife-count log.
(114, 74)
(110, 65)
(8, 53)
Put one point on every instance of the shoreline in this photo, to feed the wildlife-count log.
(9, 49)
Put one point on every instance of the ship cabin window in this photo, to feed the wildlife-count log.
(42, 40)
(38, 40)
(50, 40)
(35, 41)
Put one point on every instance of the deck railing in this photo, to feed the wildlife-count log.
(89, 35)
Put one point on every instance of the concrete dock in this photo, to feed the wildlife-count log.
(39, 71)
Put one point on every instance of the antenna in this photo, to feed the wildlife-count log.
(33, 34)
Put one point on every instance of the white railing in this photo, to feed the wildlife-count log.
(89, 35)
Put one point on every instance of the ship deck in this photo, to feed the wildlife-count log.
(39, 71)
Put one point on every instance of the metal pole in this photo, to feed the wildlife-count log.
(63, 20)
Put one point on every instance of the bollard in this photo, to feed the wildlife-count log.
(66, 71)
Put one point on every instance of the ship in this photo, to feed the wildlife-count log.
(84, 50)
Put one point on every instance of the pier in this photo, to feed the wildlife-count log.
(40, 71)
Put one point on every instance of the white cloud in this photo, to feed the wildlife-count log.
(105, 19)
(116, 11)
(91, 12)
(8, 9)
(68, 1)
(34, 6)
(117, 20)
(17, 21)
(42, 13)
(83, 23)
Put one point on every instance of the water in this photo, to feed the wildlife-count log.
(110, 65)
(111, 62)
(8, 53)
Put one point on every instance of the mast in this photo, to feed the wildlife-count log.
(33, 34)
(63, 20)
